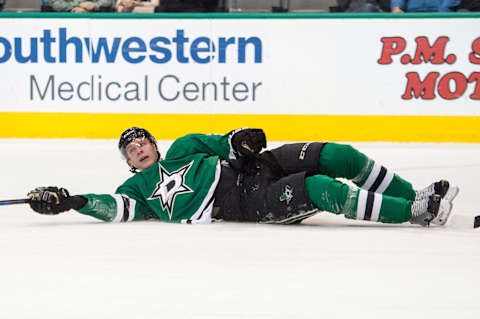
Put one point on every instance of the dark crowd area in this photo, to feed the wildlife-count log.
(247, 6)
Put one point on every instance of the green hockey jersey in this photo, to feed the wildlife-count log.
(177, 189)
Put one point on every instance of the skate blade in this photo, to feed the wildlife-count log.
(444, 213)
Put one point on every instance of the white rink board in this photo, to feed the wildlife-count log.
(296, 66)
(72, 266)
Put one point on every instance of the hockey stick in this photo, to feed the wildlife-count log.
(14, 201)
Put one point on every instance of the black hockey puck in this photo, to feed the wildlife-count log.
(476, 222)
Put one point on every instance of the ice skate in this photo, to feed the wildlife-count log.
(441, 188)
(435, 210)
(444, 211)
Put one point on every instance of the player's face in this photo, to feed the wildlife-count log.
(141, 153)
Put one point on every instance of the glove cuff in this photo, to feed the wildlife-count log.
(77, 202)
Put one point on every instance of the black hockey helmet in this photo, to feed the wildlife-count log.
(129, 135)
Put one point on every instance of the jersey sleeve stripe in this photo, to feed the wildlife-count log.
(125, 208)
(132, 209)
(120, 208)
(231, 154)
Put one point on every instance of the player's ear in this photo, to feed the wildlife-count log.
(129, 162)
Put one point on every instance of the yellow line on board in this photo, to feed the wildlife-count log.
(277, 127)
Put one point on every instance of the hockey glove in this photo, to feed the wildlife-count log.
(248, 141)
(53, 200)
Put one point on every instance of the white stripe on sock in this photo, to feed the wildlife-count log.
(361, 204)
(372, 177)
(377, 204)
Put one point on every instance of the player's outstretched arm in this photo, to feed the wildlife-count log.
(107, 207)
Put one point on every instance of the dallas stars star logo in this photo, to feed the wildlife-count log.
(287, 194)
(170, 186)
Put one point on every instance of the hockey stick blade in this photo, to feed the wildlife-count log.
(464, 222)
(14, 201)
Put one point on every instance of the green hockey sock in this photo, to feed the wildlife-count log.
(394, 210)
(380, 208)
(339, 160)
(336, 197)
(328, 194)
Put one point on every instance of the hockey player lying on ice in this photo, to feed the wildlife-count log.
(205, 178)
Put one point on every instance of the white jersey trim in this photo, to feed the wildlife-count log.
(203, 215)
(131, 209)
(119, 199)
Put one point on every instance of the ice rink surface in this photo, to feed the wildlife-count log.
(73, 266)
